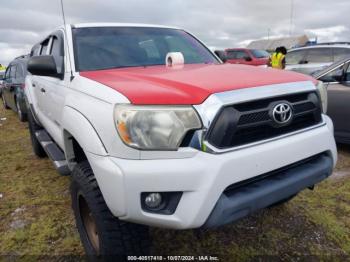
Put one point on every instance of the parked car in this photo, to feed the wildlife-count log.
(156, 131)
(13, 87)
(314, 58)
(337, 79)
(2, 76)
(247, 56)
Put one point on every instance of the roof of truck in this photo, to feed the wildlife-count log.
(89, 25)
(83, 25)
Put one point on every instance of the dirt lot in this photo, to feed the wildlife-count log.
(36, 218)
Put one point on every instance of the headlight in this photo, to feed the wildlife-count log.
(322, 90)
(155, 127)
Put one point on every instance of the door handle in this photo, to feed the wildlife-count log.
(42, 90)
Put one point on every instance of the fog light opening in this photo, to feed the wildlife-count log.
(164, 203)
(153, 200)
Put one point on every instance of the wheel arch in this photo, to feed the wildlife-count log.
(79, 137)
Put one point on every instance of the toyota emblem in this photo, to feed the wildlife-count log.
(282, 113)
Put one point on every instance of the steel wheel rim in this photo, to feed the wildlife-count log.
(89, 224)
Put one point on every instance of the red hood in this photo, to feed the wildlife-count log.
(188, 85)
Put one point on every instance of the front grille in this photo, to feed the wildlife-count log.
(250, 122)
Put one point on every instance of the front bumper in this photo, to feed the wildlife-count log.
(204, 177)
(240, 201)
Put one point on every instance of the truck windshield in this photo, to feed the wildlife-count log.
(98, 48)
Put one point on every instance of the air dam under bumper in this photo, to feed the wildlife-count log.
(238, 202)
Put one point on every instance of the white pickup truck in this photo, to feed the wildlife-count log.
(156, 131)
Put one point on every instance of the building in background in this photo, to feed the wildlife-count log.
(289, 42)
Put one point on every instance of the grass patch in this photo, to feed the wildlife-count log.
(32, 187)
(329, 207)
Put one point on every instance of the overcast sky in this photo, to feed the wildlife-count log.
(220, 23)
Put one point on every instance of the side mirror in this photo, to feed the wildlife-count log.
(248, 58)
(43, 66)
(221, 55)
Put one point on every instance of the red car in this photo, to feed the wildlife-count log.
(247, 56)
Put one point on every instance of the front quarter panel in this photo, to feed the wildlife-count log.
(96, 103)
(78, 126)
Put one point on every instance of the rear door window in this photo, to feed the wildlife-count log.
(294, 57)
(340, 53)
(319, 55)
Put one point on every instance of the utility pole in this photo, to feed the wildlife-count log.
(291, 17)
(268, 33)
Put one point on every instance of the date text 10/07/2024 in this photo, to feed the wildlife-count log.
(173, 258)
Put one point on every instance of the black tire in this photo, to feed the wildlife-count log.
(115, 238)
(4, 102)
(33, 127)
(22, 116)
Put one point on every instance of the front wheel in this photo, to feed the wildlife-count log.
(102, 234)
